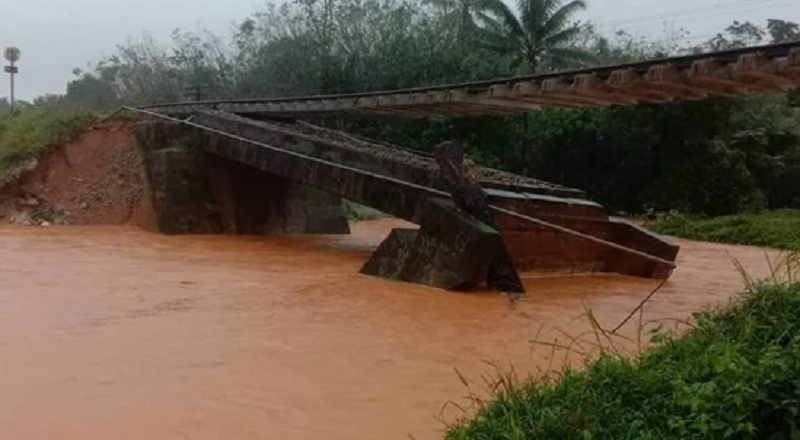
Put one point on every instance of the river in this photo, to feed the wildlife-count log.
(114, 332)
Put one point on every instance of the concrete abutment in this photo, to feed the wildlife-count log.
(193, 192)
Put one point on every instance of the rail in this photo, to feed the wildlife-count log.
(771, 68)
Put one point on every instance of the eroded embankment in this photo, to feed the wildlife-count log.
(96, 179)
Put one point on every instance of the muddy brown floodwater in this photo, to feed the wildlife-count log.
(113, 332)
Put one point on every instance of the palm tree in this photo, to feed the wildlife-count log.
(541, 36)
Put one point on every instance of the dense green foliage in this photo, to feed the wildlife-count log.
(720, 156)
(26, 134)
(732, 376)
(714, 157)
(776, 229)
(357, 212)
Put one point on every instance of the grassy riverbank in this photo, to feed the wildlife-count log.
(776, 229)
(733, 375)
(28, 133)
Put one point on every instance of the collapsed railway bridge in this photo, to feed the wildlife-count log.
(256, 166)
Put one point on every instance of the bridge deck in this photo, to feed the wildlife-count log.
(389, 179)
(368, 155)
(753, 70)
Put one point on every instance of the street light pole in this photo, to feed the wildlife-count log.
(12, 85)
(12, 54)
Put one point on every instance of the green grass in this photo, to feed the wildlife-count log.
(358, 212)
(735, 374)
(28, 133)
(776, 229)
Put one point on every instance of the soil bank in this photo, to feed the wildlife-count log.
(97, 179)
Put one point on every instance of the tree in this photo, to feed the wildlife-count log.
(737, 35)
(542, 36)
(782, 31)
(90, 90)
(457, 15)
(48, 100)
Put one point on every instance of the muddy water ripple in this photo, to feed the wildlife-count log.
(119, 333)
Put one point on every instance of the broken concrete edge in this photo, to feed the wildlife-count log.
(665, 242)
(622, 220)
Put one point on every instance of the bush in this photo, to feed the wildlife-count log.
(358, 212)
(28, 133)
(734, 375)
(777, 229)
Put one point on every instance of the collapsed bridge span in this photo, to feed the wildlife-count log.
(230, 174)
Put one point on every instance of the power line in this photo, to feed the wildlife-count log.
(689, 11)
(734, 6)
(691, 41)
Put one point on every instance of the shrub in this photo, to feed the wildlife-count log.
(358, 212)
(777, 229)
(733, 375)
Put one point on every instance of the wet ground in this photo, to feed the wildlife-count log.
(112, 332)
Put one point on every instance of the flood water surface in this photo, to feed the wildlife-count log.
(119, 333)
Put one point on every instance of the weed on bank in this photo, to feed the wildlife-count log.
(735, 374)
(776, 229)
(30, 132)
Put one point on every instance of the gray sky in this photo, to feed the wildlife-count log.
(56, 36)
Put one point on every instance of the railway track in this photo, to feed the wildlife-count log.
(752, 70)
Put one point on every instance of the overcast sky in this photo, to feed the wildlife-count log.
(56, 36)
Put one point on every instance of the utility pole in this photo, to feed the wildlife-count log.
(12, 55)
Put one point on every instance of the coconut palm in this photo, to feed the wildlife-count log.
(541, 36)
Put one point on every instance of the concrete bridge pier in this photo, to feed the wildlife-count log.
(193, 192)
(451, 250)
